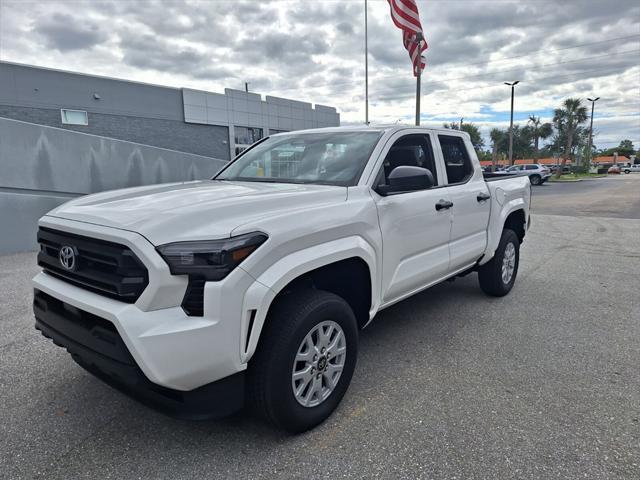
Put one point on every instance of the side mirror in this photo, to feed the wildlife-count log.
(406, 178)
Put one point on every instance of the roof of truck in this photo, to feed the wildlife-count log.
(375, 128)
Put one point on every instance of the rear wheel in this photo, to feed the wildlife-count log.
(535, 179)
(499, 274)
(304, 361)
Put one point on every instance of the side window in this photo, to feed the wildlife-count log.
(531, 167)
(456, 158)
(410, 150)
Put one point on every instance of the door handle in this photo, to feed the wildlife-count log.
(483, 196)
(443, 205)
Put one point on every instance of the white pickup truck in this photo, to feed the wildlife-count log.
(251, 288)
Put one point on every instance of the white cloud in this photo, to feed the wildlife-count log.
(314, 51)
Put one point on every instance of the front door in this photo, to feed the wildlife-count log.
(415, 233)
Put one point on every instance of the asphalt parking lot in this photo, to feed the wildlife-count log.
(612, 196)
(543, 383)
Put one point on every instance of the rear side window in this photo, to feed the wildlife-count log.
(456, 158)
(532, 167)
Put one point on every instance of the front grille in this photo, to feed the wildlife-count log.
(107, 268)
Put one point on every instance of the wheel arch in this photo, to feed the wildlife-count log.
(345, 267)
(517, 222)
(515, 218)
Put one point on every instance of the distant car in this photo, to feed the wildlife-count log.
(614, 169)
(631, 168)
(566, 169)
(538, 174)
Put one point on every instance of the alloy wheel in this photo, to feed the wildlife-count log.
(318, 364)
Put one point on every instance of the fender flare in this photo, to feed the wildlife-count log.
(494, 234)
(260, 295)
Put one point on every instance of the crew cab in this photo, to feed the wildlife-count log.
(251, 288)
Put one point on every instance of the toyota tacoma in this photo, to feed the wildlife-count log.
(251, 288)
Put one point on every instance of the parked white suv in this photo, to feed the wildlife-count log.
(635, 168)
(251, 288)
(538, 174)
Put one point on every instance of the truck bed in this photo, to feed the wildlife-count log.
(493, 176)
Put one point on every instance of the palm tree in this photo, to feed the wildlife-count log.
(567, 121)
(497, 136)
(538, 131)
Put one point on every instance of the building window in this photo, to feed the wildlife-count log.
(247, 135)
(74, 117)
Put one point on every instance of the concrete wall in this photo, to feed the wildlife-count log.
(26, 85)
(236, 107)
(131, 111)
(206, 140)
(42, 167)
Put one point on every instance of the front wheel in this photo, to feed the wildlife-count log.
(535, 179)
(304, 361)
(499, 274)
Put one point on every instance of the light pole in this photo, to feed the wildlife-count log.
(366, 66)
(512, 85)
(593, 104)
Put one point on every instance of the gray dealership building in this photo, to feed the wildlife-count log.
(65, 134)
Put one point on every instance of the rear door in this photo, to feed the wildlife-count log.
(415, 234)
(469, 193)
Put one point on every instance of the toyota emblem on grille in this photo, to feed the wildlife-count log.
(67, 257)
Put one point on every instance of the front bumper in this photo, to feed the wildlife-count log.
(172, 349)
(95, 344)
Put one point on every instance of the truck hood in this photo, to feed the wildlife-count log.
(194, 210)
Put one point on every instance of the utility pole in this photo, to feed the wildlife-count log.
(461, 119)
(593, 104)
(246, 87)
(512, 85)
(366, 67)
(419, 40)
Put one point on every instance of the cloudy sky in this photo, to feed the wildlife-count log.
(313, 50)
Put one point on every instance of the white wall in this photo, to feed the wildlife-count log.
(236, 107)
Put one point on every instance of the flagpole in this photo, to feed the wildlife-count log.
(366, 67)
(419, 39)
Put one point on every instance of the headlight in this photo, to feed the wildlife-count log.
(210, 259)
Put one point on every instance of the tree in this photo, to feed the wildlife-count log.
(521, 142)
(497, 136)
(538, 130)
(484, 155)
(625, 148)
(567, 121)
(473, 131)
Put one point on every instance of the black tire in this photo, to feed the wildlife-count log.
(535, 179)
(490, 274)
(627, 171)
(269, 389)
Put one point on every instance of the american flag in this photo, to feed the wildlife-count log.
(404, 14)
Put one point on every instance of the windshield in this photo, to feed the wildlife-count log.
(336, 158)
